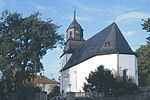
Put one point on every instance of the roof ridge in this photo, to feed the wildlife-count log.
(115, 25)
(106, 36)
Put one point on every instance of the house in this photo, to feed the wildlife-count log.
(45, 83)
(108, 47)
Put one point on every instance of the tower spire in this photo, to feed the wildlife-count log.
(74, 14)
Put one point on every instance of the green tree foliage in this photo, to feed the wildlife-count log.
(143, 58)
(99, 81)
(146, 26)
(55, 92)
(20, 82)
(3, 90)
(23, 43)
(124, 85)
(25, 40)
(103, 81)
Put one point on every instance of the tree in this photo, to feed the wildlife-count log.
(25, 40)
(146, 26)
(99, 81)
(143, 58)
(55, 92)
(23, 43)
(20, 82)
(103, 81)
(124, 85)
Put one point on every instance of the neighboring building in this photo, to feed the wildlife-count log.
(45, 83)
(80, 57)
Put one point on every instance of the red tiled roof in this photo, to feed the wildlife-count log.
(43, 79)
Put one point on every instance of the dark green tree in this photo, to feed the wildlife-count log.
(143, 58)
(23, 43)
(146, 26)
(99, 81)
(25, 40)
(55, 92)
(124, 85)
(103, 81)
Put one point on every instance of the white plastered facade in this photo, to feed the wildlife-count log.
(72, 79)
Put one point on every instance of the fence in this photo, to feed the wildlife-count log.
(27, 96)
(89, 96)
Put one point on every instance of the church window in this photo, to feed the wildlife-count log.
(71, 34)
(107, 44)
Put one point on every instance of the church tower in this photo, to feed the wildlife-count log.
(74, 38)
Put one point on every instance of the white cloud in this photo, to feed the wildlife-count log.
(39, 7)
(9, 4)
(130, 33)
(132, 16)
(115, 11)
(86, 18)
(82, 6)
(80, 18)
(44, 8)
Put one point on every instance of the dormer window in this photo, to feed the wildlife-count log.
(107, 44)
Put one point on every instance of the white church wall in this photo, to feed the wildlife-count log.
(129, 62)
(64, 81)
(64, 59)
(74, 77)
(72, 31)
(77, 74)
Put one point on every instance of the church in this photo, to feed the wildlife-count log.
(108, 47)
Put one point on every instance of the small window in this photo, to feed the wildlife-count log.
(107, 44)
(71, 34)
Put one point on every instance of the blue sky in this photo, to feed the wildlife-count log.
(93, 16)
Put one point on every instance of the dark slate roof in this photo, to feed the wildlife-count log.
(108, 41)
(74, 24)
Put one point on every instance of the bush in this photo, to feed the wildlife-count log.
(103, 81)
(55, 92)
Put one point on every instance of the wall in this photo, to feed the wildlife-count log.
(129, 62)
(27, 96)
(64, 59)
(139, 96)
(47, 87)
(72, 79)
(68, 33)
